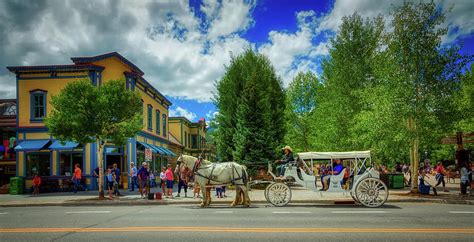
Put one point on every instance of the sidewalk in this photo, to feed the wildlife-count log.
(299, 195)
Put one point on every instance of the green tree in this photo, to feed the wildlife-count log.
(84, 114)
(347, 70)
(300, 104)
(250, 103)
(411, 102)
(464, 101)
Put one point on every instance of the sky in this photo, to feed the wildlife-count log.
(183, 46)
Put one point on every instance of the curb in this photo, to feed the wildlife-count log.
(78, 203)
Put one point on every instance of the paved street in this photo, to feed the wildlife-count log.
(393, 222)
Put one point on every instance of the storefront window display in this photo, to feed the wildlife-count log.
(67, 161)
(38, 163)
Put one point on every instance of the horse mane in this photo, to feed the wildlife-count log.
(193, 159)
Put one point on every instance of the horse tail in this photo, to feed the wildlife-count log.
(245, 177)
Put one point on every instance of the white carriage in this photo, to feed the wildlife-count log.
(362, 181)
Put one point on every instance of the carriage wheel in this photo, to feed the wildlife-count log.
(353, 195)
(371, 192)
(265, 192)
(279, 194)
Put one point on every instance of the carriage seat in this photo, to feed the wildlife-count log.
(335, 181)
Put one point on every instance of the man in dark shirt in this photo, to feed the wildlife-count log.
(117, 172)
(288, 157)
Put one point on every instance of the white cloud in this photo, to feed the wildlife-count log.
(459, 19)
(285, 50)
(233, 16)
(181, 112)
(164, 38)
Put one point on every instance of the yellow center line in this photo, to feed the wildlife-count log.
(232, 230)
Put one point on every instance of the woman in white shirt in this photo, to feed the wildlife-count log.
(464, 178)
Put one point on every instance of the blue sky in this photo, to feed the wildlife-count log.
(183, 46)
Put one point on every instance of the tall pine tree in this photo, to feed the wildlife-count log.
(251, 103)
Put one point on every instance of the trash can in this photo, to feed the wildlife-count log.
(386, 179)
(396, 181)
(16, 185)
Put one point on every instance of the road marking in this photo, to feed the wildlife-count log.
(461, 212)
(224, 211)
(288, 212)
(236, 230)
(82, 212)
(3, 213)
(359, 212)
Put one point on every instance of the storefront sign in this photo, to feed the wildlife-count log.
(148, 154)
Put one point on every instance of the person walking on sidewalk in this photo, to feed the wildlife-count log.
(183, 177)
(143, 176)
(169, 182)
(96, 175)
(110, 182)
(152, 179)
(133, 175)
(117, 173)
(76, 178)
(36, 184)
(163, 180)
(440, 172)
(465, 173)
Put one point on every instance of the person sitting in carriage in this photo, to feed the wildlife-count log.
(337, 167)
(287, 158)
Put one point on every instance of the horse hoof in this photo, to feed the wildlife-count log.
(232, 204)
(202, 205)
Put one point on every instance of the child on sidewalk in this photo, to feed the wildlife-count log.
(197, 190)
(36, 184)
(110, 182)
(219, 191)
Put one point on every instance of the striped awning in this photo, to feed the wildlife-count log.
(32, 145)
(56, 145)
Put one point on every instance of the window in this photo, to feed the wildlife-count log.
(158, 121)
(164, 125)
(143, 107)
(38, 163)
(38, 105)
(194, 141)
(67, 162)
(185, 139)
(189, 140)
(150, 117)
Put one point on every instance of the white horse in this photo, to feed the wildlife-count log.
(227, 173)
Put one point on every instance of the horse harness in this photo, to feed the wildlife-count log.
(197, 167)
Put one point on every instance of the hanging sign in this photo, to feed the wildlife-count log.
(148, 154)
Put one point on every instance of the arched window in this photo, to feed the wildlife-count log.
(164, 125)
(150, 117)
(157, 121)
(37, 105)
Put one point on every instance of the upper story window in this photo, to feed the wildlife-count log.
(194, 141)
(185, 139)
(38, 105)
(164, 125)
(150, 117)
(158, 121)
(143, 107)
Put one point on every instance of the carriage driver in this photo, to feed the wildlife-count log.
(288, 157)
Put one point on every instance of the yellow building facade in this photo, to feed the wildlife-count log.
(192, 136)
(38, 152)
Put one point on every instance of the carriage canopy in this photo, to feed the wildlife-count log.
(334, 155)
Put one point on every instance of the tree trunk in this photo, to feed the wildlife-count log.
(100, 149)
(414, 155)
